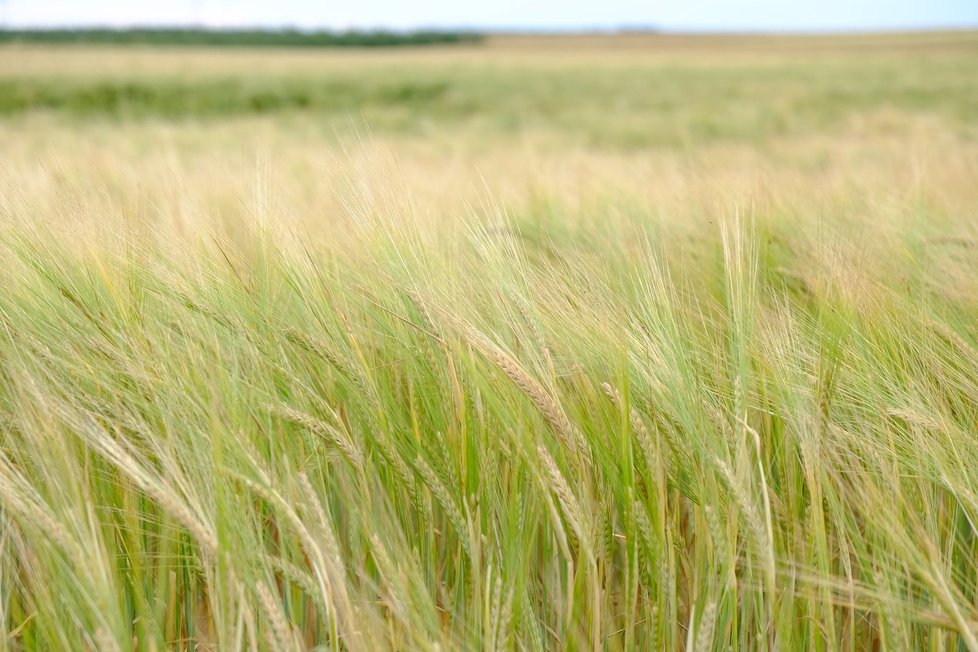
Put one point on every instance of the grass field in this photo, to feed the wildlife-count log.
(587, 343)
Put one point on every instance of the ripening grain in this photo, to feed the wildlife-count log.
(621, 344)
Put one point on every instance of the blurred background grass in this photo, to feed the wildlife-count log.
(618, 92)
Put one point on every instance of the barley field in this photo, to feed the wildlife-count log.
(624, 342)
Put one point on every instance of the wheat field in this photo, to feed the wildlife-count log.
(543, 343)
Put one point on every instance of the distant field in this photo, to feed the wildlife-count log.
(608, 342)
(619, 92)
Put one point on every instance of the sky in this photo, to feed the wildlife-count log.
(674, 15)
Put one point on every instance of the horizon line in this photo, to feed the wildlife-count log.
(528, 30)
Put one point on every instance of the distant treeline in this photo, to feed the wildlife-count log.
(236, 37)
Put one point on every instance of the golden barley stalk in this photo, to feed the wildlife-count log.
(338, 437)
(444, 499)
(639, 430)
(704, 635)
(271, 607)
(565, 496)
(321, 349)
(548, 407)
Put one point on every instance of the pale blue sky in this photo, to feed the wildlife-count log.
(733, 15)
